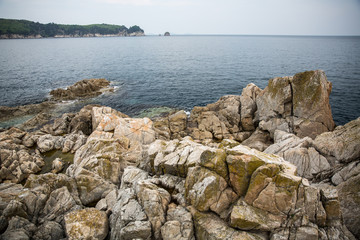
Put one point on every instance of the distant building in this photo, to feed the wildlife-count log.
(167, 34)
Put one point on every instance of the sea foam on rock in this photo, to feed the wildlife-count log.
(148, 180)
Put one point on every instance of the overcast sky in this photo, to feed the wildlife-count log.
(283, 17)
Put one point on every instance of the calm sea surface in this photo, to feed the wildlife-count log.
(177, 71)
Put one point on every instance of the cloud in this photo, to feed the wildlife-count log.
(149, 2)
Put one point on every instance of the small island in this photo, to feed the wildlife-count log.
(14, 29)
(167, 34)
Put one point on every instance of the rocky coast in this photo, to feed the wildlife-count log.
(267, 164)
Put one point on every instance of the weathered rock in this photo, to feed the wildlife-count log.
(298, 104)
(88, 223)
(82, 121)
(246, 217)
(343, 143)
(349, 197)
(59, 203)
(218, 120)
(98, 113)
(81, 89)
(128, 220)
(154, 200)
(175, 157)
(259, 140)
(209, 226)
(92, 188)
(49, 231)
(299, 152)
(17, 162)
(203, 188)
(50, 182)
(18, 229)
(248, 106)
(7, 113)
(177, 124)
(179, 224)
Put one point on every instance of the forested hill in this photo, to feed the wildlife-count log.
(10, 28)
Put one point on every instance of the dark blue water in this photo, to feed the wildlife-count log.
(177, 71)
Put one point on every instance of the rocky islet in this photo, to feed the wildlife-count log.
(268, 164)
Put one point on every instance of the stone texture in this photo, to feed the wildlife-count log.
(218, 120)
(88, 223)
(299, 151)
(81, 89)
(349, 197)
(298, 104)
(343, 143)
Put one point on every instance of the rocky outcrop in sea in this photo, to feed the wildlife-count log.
(267, 164)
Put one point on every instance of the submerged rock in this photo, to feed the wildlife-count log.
(81, 89)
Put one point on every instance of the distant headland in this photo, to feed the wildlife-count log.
(11, 28)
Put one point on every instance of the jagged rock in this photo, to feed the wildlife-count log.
(203, 188)
(49, 231)
(81, 89)
(68, 143)
(175, 157)
(241, 167)
(209, 226)
(351, 170)
(154, 200)
(36, 122)
(59, 203)
(343, 143)
(299, 151)
(108, 202)
(177, 124)
(179, 224)
(82, 121)
(7, 113)
(246, 217)
(349, 197)
(136, 230)
(218, 120)
(128, 220)
(98, 113)
(88, 223)
(17, 162)
(298, 104)
(248, 106)
(259, 140)
(92, 188)
(50, 182)
(18, 229)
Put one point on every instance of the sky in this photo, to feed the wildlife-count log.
(260, 17)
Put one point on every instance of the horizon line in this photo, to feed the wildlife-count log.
(259, 35)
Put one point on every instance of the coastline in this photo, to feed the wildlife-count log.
(247, 164)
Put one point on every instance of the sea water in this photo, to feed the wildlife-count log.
(154, 73)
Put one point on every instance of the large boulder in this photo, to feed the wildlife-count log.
(298, 104)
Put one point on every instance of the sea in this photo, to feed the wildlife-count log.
(154, 74)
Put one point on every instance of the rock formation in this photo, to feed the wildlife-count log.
(81, 89)
(189, 178)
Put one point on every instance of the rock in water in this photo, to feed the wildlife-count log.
(88, 223)
(81, 89)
